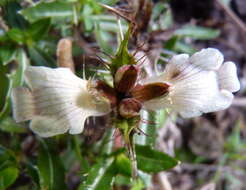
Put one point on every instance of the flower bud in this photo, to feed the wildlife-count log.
(125, 78)
(129, 108)
(149, 91)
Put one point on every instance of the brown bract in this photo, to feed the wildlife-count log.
(149, 91)
(125, 78)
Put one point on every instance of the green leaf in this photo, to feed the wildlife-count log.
(197, 32)
(38, 29)
(33, 172)
(137, 185)
(75, 145)
(171, 43)
(17, 35)
(8, 177)
(100, 176)
(52, 174)
(4, 86)
(8, 168)
(10, 126)
(47, 10)
(7, 54)
(123, 164)
(150, 160)
(14, 79)
(39, 57)
(184, 48)
(7, 158)
(12, 16)
(102, 38)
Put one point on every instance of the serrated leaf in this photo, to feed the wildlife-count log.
(47, 10)
(197, 32)
(51, 170)
(153, 161)
(100, 176)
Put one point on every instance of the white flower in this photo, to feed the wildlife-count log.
(198, 84)
(57, 102)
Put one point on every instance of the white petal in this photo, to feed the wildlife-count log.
(190, 96)
(179, 59)
(46, 126)
(62, 101)
(208, 59)
(220, 102)
(22, 103)
(228, 77)
(177, 65)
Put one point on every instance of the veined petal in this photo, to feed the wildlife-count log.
(207, 59)
(228, 77)
(189, 96)
(177, 66)
(221, 101)
(198, 84)
(61, 101)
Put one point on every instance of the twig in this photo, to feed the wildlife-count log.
(232, 15)
(117, 12)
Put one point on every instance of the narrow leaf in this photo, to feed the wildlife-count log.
(198, 32)
(100, 176)
(150, 160)
(52, 174)
(47, 10)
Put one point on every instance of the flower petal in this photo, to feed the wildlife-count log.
(189, 97)
(22, 103)
(46, 126)
(61, 100)
(221, 101)
(228, 77)
(178, 65)
(208, 59)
